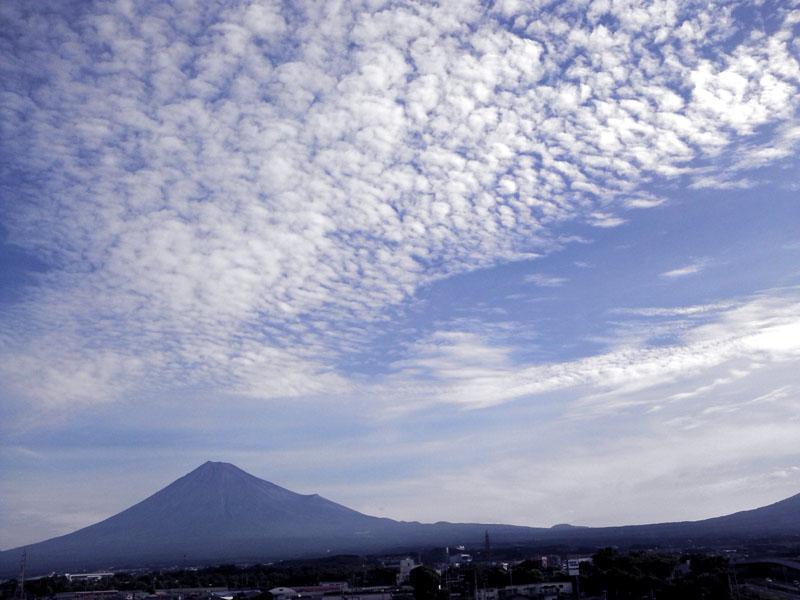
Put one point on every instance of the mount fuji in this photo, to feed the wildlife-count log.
(219, 513)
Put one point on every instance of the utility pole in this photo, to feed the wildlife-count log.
(733, 583)
(21, 581)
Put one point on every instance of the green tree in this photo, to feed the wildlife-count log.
(426, 583)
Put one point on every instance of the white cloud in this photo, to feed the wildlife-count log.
(677, 311)
(605, 220)
(544, 280)
(644, 202)
(690, 269)
(233, 195)
(469, 370)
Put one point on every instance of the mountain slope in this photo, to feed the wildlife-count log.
(219, 498)
(219, 513)
(779, 519)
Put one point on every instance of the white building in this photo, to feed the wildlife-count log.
(87, 576)
(549, 589)
(406, 566)
(283, 593)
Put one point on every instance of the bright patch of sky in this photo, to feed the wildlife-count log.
(471, 261)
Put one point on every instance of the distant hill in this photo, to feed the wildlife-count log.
(781, 519)
(219, 513)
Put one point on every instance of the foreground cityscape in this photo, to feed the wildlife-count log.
(452, 574)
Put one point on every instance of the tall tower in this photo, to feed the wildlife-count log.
(487, 547)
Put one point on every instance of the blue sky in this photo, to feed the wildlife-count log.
(510, 261)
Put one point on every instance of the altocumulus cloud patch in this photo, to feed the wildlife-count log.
(232, 195)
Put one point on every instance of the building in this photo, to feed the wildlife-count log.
(191, 593)
(376, 593)
(406, 566)
(92, 595)
(537, 591)
(459, 559)
(573, 565)
(87, 576)
(283, 593)
(325, 588)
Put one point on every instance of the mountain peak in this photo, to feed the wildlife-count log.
(217, 512)
(211, 465)
(218, 471)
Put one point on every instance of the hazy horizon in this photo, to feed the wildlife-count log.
(486, 262)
